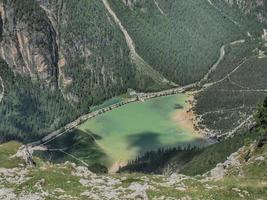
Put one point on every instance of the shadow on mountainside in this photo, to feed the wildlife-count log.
(79, 147)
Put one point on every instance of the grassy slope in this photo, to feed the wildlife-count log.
(6, 151)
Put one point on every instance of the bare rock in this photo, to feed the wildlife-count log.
(7, 194)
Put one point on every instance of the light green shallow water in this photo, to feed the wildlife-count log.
(138, 127)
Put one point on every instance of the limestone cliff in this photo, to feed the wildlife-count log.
(28, 41)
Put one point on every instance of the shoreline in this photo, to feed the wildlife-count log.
(184, 118)
(190, 122)
(114, 168)
(139, 97)
(188, 119)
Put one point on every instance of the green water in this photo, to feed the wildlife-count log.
(135, 128)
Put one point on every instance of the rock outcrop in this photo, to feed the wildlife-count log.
(28, 41)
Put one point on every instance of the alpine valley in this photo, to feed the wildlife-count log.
(133, 99)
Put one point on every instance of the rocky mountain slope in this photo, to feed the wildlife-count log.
(28, 41)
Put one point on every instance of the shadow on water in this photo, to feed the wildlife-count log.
(93, 135)
(150, 141)
(154, 155)
(178, 106)
(81, 145)
(144, 141)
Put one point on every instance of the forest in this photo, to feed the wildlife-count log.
(237, 86)
(29, 110)
(184, 42)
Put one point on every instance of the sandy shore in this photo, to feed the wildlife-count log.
(116, 166)
(186, 118)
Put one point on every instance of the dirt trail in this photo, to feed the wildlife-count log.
(224, 110)
(159, 8)
(214, 67)
(227, 16)
(216, 64)
(136, 58)
(249, 120)
(227, 76)
(3, 89)
(237, 84)
(243, 123)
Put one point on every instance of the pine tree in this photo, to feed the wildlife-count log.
(261, 115)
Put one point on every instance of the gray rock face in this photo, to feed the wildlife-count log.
(7, 194)
(93, 55)
(28, 41)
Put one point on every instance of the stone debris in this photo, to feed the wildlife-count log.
(31, 197)
(241, 195)
(209, 187)
(65, 196)
(81, 171)
(221, 168)
(90, 195)
(175, 178)
(139, 191)
(7, 194)
(260, 158)
(182, 189)
(236, 189)
(38, 185)
(165, 198)
(218, 172)
(59, 190)
(246, 192)
(103, 187)
(186, 198)
(14, 175)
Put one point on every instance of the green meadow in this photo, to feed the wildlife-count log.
(136, 128)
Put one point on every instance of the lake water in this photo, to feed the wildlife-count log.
(135, 128)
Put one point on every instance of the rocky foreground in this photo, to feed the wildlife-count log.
(242, 176)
